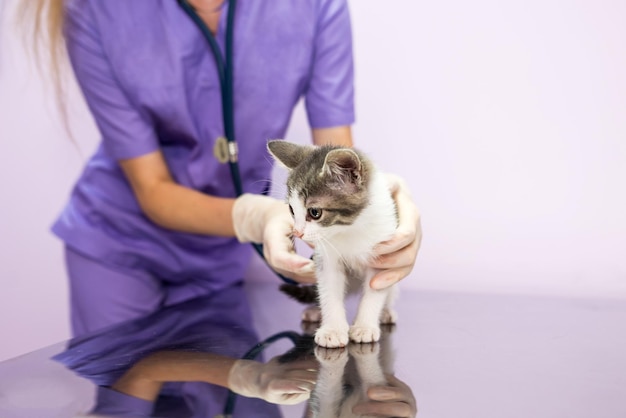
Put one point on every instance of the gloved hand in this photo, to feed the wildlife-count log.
(280, 383)
(396, 256)
(265, 220)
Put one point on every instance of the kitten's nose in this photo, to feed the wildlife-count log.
(298, 233)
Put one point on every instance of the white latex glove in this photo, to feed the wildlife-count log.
(265, 220)
(396, 256)
(280, 383)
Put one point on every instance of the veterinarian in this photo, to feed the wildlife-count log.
(154, 218)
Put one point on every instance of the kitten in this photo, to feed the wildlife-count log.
(342, 206)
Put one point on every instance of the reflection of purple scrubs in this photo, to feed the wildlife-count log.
(218, 324)
(150, 81)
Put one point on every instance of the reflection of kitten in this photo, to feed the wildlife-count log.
(343, 379)
(342, 206)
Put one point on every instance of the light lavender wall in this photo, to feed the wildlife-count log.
(512, 120)
(507, 119)
(38, 164)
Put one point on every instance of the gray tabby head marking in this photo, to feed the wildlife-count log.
(329, 181)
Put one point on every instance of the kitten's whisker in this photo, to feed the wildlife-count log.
(275, 186)
(332, 246)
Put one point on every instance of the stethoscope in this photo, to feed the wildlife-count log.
(226, 149)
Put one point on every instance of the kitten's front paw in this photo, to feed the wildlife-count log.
(362, 334)
(388, 316)
(331, 337)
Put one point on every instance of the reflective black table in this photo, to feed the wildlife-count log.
(454, 354)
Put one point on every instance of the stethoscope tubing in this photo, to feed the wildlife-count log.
(224, 69)
(225, 72)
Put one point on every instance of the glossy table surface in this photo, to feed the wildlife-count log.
(461, 355)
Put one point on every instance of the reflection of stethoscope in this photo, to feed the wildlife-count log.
(226, 147)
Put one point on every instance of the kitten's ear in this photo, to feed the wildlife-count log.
(345, 164)
(288, 154)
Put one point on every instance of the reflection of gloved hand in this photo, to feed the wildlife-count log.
(393, 400)
(264, 220)
(280, 383)
(396, 256)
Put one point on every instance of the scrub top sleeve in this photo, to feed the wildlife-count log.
(126, 132)
(329, 97)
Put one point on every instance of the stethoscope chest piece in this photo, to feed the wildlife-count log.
(225, 151)
(220, 150)
(225, 148)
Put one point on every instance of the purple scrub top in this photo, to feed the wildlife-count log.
(150, 81)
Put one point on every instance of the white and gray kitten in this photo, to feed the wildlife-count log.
(342, 206)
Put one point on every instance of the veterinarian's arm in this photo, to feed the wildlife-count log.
(173, 206)
(339, 135)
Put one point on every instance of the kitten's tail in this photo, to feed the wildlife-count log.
(303, 294)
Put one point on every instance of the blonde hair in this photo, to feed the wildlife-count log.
(43, 22)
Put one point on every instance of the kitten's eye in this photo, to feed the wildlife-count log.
(315, 213)
(291, 210)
